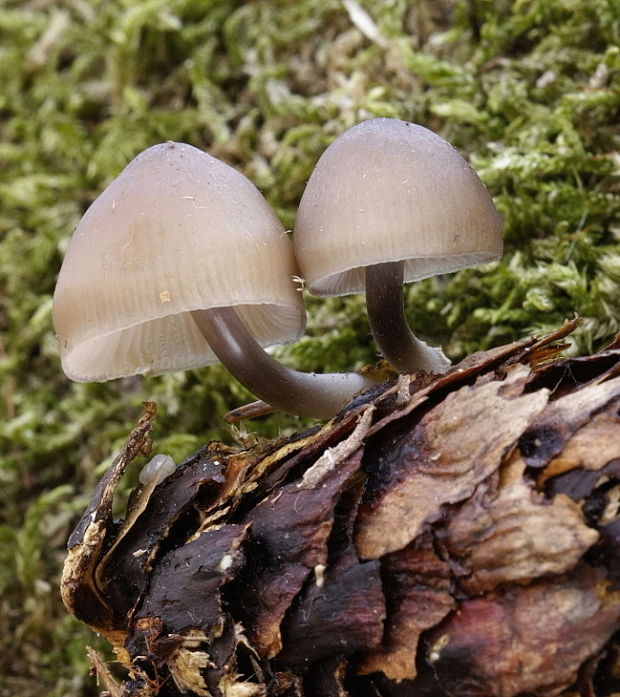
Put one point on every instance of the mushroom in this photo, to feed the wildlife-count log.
(180, 263)
(158, 468)
(391, 202)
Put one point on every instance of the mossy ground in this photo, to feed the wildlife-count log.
(528, 90)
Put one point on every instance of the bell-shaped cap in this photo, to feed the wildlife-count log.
(176, 231)
(389, 190)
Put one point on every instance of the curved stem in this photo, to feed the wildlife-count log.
(305, 394)
(388, 323)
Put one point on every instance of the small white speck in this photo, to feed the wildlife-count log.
(225, 563)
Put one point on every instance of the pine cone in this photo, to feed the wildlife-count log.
(443, 535)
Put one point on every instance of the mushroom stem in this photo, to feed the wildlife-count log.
(388, 323)
(318, 395)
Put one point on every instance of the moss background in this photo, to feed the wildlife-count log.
(527, 90)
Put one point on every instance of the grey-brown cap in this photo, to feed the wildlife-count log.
(389, 190)
(176, 231)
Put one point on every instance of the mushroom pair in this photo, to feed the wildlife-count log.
(181, 262)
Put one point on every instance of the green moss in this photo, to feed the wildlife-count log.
(527, 90)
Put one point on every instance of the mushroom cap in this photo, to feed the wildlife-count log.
(389, 190)
(176, 231)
